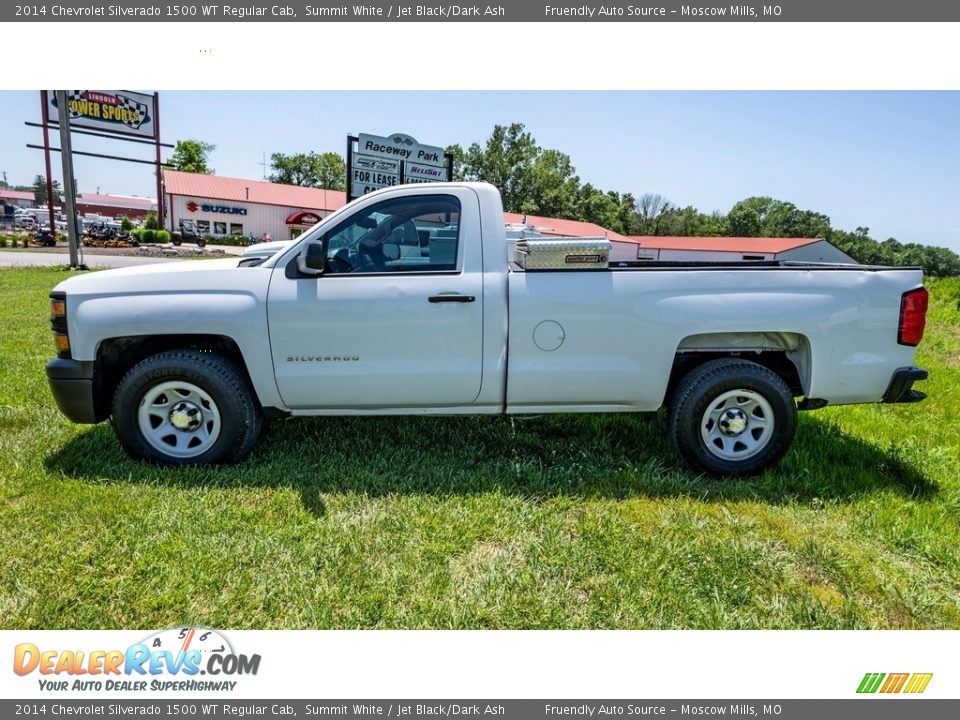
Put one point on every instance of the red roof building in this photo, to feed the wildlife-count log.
(131, 206)
(221, 205)
(762, 245)
(17, 198)
(651, 247)
(558, 227)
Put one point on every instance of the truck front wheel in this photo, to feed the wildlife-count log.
(185, 407)
(732, 417)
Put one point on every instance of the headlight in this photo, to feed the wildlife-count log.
(58, 323)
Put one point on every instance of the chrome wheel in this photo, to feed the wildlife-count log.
(737, 424)
(179, 419)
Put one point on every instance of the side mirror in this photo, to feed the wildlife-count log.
(313, 259)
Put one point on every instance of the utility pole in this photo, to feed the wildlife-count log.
(263, 165)
(69, 190)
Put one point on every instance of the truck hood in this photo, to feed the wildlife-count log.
(161, 277)
(267, 249)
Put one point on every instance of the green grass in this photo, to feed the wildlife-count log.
(556, 522)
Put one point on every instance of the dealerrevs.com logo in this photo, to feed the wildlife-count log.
(891, 683)
(179, 659)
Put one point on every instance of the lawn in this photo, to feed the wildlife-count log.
(552, 522)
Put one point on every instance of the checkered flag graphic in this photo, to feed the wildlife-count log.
(139, 111)
(74, 95)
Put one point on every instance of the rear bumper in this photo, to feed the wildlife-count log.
(71, 383)
(900, 389)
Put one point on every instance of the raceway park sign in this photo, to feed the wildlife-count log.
(380, 162)
(111, 111)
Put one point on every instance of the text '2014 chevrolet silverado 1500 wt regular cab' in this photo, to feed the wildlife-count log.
(411, 300)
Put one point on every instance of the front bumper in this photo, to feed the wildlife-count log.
(900, 389)
(71, 382)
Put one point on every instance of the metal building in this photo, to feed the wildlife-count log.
(221, 205)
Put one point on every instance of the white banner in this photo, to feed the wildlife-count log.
(449, 664)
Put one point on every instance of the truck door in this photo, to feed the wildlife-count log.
(396, 318)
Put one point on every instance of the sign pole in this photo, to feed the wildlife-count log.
(350, 140)
(45, 119)
(156, 124)
(69, 191)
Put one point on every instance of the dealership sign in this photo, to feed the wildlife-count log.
(193, 206)
(400, 146)
(111, 111)
(384, 161)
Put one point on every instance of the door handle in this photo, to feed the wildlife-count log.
(451, 298)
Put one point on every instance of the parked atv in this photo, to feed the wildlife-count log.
(187, 233)
(98, 235)
(44, 238)
(102, 235)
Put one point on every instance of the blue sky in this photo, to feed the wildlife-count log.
(886, 160)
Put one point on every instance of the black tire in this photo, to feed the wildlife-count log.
(722, 432)
(201, 242)
(225, 405)
(176, 241)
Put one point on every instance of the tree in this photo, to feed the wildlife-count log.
(191, 156)
(325, 170)
(688, 221)
(650, 209)
(459, 159)
(331, 171)
(531, 179)
(39, 190)
(506, 161)
(150, 221)
(768, 217)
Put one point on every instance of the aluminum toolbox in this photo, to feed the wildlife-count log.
(563, 253)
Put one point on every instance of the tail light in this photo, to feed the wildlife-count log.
(913, 316)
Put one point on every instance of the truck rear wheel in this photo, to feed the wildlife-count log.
(732, 417)
(185, 407)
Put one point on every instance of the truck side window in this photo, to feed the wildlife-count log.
(410, 234)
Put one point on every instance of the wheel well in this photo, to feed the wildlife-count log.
(775, 360)
(115, 357)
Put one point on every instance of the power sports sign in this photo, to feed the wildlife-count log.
(118, 112)
(375, 162)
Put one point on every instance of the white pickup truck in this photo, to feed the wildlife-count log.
(411, 300)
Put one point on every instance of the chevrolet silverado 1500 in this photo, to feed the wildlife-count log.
(411, 300)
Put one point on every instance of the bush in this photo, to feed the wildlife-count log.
(126, 224)
(150, 221)
(148, 235)
(3, 241)
(162, 236)
(234, 240)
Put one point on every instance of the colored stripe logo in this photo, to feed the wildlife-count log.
(894, 683)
